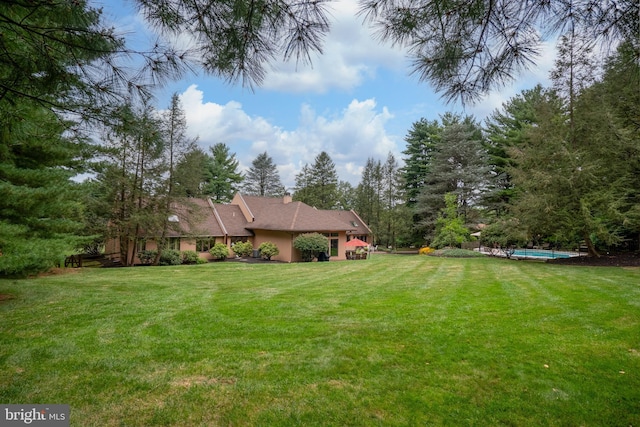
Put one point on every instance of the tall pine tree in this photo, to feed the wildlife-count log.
(177, 145)
(317, 185)
(223, 180)
(262, 178)
(47, 50)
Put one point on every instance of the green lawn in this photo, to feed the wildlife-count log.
(395, 340)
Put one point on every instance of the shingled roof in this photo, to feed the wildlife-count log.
(194, 217)
(201, 217)
(360, 228)
(232, 220)
(278, 214)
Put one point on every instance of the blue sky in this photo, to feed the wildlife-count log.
(356, 101)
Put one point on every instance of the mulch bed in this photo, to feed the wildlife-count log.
(621, 259)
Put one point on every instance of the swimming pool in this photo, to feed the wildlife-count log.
(542, 254)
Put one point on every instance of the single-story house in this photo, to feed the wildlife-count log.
(199, 223)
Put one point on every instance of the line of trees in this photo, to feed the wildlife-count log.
(556, 166)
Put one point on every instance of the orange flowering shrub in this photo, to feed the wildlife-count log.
(426, 250)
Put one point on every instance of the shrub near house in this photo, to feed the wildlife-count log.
(311, 244)
(242, 249)
(268, 250)
(219, 251)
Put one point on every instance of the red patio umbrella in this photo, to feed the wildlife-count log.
(356, 243)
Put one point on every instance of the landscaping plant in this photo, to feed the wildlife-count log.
(242, 249)
(219, 251)
(310, 245)
(268, 250)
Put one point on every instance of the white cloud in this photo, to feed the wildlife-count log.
(350, 55)
(349, 136)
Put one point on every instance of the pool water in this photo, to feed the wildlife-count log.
(526, 253)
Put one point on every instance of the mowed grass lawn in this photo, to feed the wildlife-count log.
(395, 340)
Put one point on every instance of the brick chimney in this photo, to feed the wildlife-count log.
(287, 199)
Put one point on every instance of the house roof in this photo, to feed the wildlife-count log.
(201, 217)
(232, 220)
(194, 217)
(352, 218)
(277, 214)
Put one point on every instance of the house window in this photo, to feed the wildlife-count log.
(174, 243)
(334, 247)
(203, 244)
(141, 245)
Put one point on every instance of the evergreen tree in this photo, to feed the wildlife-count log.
(223, 179)
(390, 202)
(575, 173)
(459, 166)
(574, 70)
(450, 228)
(303, 186)
(191, 173)
(263, 178)
(325, 182)
(422, 140)
(506, 130)
(368, 196)
(40, 209)
(346, 196)
(577, 176)
(620, 91)
(47, 49)
(365, 193)
(131, 177)
(237, 40)
(176, 147)
(316, 185)
(463, 49)
(55, 55)
(60, 73)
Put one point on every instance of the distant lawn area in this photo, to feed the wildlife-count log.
(397, 340)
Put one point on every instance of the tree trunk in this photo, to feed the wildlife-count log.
(132, 260)
(124, 250)
(590, 247)
(161, 245)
